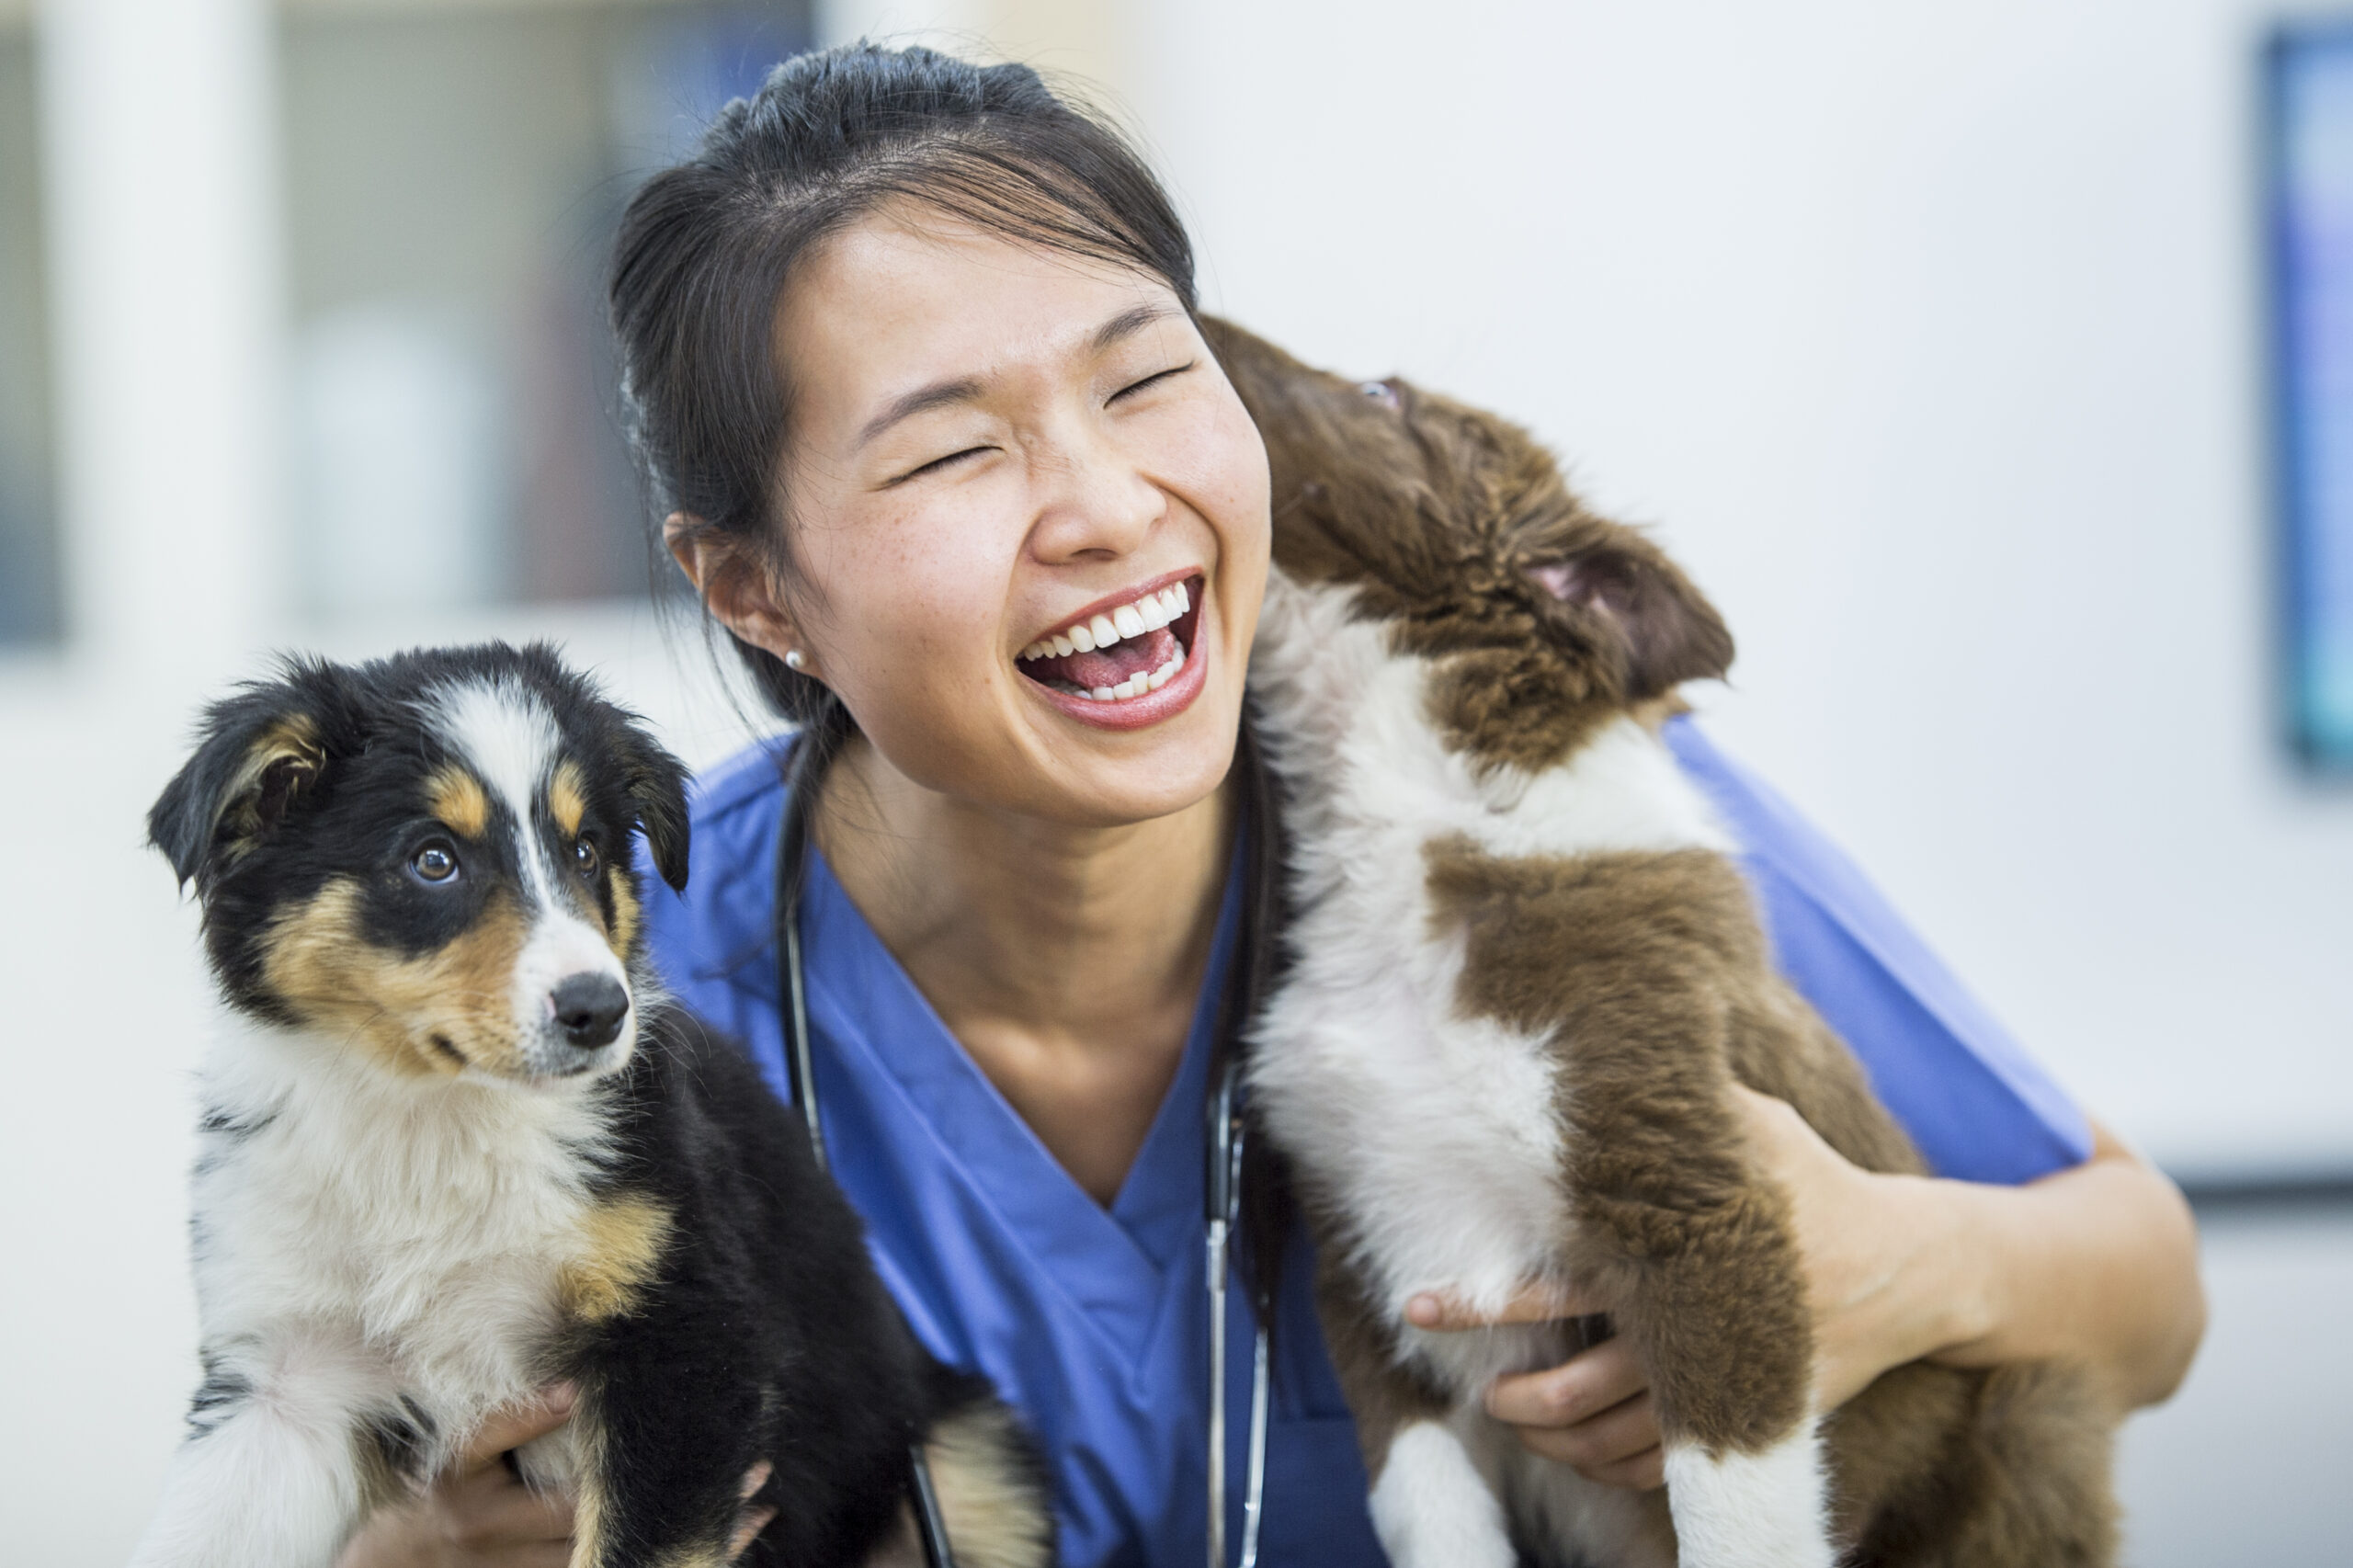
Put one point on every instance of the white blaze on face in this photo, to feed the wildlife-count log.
(510, 740)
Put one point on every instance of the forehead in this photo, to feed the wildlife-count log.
(901, 300)
(506, 750)
(501, 730)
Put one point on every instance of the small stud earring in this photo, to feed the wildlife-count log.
(793, 659)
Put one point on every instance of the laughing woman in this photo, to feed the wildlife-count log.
(913, 359)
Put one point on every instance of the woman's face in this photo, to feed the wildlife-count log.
(1032, 515)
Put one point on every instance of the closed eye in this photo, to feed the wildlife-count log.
(937, 464)
(1153, 379)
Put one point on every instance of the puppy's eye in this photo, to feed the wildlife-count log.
(584, 859)
(434, 863)
(1381, 392)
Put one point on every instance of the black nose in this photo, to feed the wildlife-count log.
(589, 1008)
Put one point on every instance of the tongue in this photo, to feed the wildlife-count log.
(1109, 666)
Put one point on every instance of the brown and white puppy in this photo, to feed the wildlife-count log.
(1524, 972)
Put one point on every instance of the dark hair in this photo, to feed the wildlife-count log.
(707, 246)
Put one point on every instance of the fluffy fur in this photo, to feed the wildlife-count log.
(1523, 975)
(457, 1143)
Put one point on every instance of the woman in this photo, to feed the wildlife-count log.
(911, 350)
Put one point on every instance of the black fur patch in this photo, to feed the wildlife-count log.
(216, 1398)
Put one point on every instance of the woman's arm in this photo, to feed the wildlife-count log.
(2096, 1266)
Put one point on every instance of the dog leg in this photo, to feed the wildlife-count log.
(1759, 1510)
(1431, 1505)
(274, 1471)
(991, 1494)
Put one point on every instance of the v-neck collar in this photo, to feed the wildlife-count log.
(1115, 1263)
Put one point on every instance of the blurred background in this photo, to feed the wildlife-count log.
(1990, 364)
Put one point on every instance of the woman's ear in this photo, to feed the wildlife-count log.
(736, 585)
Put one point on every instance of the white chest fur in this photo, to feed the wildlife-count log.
(1435, 1136)
(409, 1236)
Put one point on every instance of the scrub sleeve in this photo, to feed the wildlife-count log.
(1094, 1321)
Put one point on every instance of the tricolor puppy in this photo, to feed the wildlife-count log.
(1524, 973)
(456, 1144)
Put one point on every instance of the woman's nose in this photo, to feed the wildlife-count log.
(1093, 499)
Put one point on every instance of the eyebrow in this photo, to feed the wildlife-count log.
(1128, 323)
(940, 394)
(923, 400)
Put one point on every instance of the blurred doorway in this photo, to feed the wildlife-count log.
(454, 175)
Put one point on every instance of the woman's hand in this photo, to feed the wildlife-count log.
(478, 1514)
(1593, 1413)
(2096, 1265)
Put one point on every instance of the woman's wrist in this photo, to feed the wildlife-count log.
(1936, 1284)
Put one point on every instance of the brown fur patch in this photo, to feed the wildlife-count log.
(436, 1013)
(621, 1246)
(1644, 966)
(458, 802)
(568, 798)
(1384, 1394)
(989, 1499)
(1450, 523)
(628, 915)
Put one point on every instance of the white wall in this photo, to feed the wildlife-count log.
(1927, 335)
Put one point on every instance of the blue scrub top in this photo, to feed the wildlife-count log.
(1094, 1321)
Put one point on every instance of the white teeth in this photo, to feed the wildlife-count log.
(1159, 677)
(1149, 613)
(1101, 694)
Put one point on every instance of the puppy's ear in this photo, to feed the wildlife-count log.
(258, 756)
(1670, 633)
(656, 782)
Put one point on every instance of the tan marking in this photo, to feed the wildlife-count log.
(621, 1244)
(695, 1557)
(457, 800)
(628, 915)
(295, 741)
(996, 1515)
(588, 1491)
(568, 798)
(323, 969)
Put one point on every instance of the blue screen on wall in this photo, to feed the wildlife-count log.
(2310, 102)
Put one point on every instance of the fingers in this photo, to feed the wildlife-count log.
(1594, 1413)
(1587, 1385)
(487, 1512)
(1447, 1312)
(750, 1522)
(517, 1425)
(747, 1530)
(1618, 1447)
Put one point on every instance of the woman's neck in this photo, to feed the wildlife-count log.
(1067, 960)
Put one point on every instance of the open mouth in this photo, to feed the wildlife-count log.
(1121, 654)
